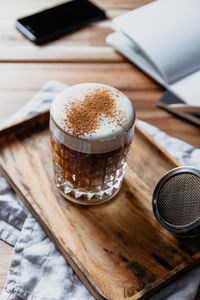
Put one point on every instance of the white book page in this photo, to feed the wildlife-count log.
(168, 32)
(188, 88)
(130, 50)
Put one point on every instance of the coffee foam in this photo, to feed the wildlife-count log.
(109, 136)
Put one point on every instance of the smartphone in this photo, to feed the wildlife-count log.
(51, 23)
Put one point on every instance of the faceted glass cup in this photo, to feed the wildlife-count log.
(91, 129)
(86, 176)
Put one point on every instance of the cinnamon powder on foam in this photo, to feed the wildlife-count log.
(85, 116)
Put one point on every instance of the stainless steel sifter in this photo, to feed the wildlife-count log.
(176, 201)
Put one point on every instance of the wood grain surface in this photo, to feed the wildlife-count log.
(87, 44)
(25, 67)
(6, 252)
(21, 81)
(118, 249)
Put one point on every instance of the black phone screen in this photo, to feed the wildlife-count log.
(56, 21)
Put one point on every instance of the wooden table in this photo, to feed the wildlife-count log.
(79, 57)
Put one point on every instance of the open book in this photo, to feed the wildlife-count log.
(163, 39)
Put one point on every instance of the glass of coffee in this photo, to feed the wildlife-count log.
(91, 129)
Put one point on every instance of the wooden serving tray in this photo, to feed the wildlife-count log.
(118, 249)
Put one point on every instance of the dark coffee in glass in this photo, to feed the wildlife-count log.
(91, 128)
